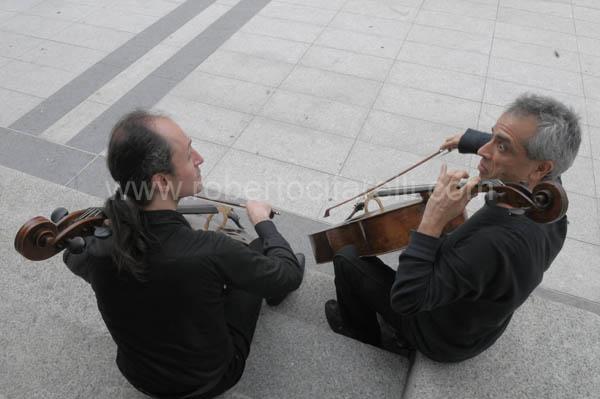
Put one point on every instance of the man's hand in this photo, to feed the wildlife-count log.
(447, 201)
(451, 143)
(258, 211)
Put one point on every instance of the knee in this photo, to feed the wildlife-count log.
(345, 259)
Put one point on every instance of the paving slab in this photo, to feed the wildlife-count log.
(348, 63)
(467, 41)
(361, 43)
(539, 356)
(483, 10)
(271, 48)
(451, 59)
(371, 25)
(315, 113)
(204, 121)
(284, 29)
(297, 13)
(425, 105)
(534, 75)
(296, 145)
(332, 85)
(536, 20)
(463, 23)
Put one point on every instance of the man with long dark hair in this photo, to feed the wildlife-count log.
(180, 304)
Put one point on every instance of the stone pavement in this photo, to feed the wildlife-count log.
(302, 102)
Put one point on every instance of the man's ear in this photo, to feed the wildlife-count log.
(160, 182)
(544, 168)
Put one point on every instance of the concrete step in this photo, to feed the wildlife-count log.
(306, 304)
(549, 350)
(53, 343)
(294, 359)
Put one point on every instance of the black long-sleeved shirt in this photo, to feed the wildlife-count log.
(458, 292)
(170, 330)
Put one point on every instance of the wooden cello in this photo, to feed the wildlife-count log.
(388, 229)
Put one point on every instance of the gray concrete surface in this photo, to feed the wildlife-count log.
(548, 351)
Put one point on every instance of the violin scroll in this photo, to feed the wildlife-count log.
(40, 238)
(551, 202)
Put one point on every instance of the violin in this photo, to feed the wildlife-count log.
(40, 238)
(388, 229)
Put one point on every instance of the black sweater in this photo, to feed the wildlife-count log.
(170, 331)
(458, 292)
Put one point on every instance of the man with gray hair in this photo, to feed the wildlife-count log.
(453, 295)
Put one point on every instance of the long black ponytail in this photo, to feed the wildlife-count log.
(135, 153)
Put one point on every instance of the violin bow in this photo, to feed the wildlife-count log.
(230, 203)
(435, 154)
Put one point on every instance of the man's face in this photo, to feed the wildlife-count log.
(186, 179)
(504, 157)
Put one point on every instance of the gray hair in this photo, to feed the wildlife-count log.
(558, 133)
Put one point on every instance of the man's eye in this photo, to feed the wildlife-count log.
(501, 147)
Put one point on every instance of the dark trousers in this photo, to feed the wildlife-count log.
(363, 288)
(241, 313)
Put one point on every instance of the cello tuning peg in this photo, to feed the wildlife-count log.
(58, 214)
(75, 245)
(102, 232)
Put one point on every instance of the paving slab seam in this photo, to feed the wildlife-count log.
(407, 391)
(487, 69)
(572, 17)
(67, 184)
(568, 299)
(345, 12)
(380, 17)
(597, 189)
(28, 12)
(317, 44)
(81, 87)
(163, 79)
(58, 41)
(22, 92)
(38, 138)
(283, 19)
(41, 65)
(336, 28)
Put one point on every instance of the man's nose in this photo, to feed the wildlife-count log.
(199, 160)
(484, 151)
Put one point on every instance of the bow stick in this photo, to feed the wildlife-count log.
(236, 204)
(435, 154)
